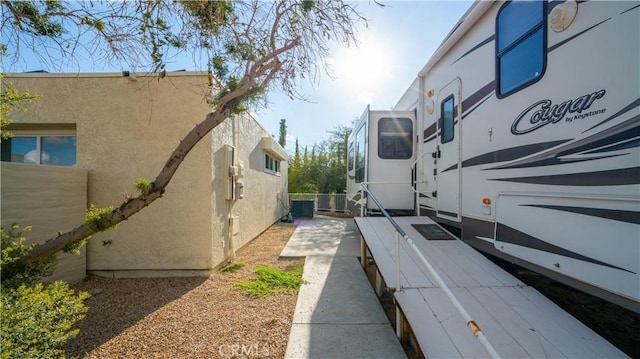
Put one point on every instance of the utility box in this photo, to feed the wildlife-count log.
(302, 208)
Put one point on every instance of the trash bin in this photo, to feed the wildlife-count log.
(302, 208)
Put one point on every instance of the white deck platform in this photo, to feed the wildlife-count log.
(517, 320)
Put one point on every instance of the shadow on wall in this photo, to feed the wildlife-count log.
(220, 210)
(123, 303)
(256, 158)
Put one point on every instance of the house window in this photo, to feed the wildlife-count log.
(271, 164)
(520, 45)
(395, 138)
(53, 150)
(447, 114)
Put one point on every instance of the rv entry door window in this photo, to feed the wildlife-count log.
(446, 124)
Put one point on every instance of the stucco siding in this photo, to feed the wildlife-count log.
(222, 135)
(51, 200)
(126, 130)
(260, 206)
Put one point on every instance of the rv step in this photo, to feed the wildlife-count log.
(515, 318)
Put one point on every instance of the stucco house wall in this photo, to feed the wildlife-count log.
(261, 205)
(57, 209)
(126, 128)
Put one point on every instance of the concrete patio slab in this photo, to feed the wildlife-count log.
(322, 236)
(337, 313)
(343, 341)
(338, 291)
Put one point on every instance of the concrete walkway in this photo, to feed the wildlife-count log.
(337, 313)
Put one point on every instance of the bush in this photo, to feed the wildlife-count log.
(15, 272)
(38, 320)
(232, 267)
(271, 281)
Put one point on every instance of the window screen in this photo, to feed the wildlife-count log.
(446, 121)
(395, 138)
(520, 45)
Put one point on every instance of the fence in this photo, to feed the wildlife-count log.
(324, 202)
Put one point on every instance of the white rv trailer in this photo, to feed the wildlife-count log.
(528, 117)
(381, 151)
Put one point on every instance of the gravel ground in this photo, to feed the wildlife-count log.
(189, 317)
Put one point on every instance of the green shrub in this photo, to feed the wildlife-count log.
(232, 267)
(254, 288)
(271, 281)
(38, 320)
(15, 272)
(289, 279)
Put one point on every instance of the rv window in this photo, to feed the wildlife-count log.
(351, 157)
(447, 117)
(395, 138)
(520, 45)
(360, 155)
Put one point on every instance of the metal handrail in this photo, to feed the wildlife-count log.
(384, 211)
(388, 182)
(475, 328)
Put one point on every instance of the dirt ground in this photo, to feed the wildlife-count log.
(189, 317)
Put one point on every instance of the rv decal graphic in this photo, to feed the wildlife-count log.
(545, 112)
(622, 136)
(611, 214)
(511, 235)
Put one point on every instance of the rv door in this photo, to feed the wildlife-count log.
(357, 166)
(448, 152)
(391, 154)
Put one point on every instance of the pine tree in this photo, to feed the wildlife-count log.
(282, 139)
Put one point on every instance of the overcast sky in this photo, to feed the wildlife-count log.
(399, 39)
